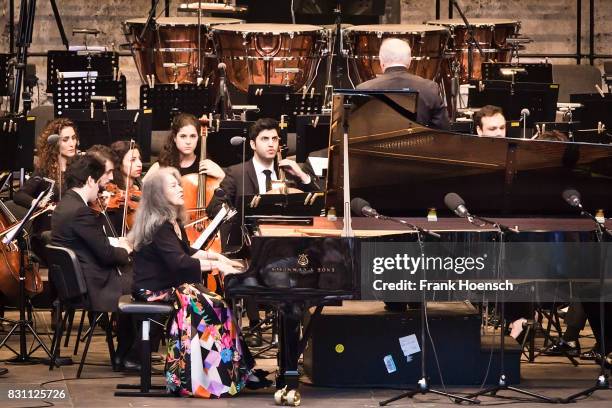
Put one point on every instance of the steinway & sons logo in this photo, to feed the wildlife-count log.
(303, 266)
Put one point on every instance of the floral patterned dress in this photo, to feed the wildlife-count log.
(205, 354)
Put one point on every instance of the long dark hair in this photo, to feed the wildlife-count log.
(120, 148)
(169, 154)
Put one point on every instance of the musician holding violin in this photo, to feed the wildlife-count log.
(56, 145)
(126, 179)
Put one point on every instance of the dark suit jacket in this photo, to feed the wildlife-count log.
(74, 225)
(431, 110)
(232, 185)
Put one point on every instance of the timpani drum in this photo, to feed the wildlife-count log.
(427, 43)
(491, 35)
(281, 54)
(169, 50)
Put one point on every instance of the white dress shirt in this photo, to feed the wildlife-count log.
(261, 177)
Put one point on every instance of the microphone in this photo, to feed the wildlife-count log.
(456, 204)
(525, 112)
(53, 139)
(237, 140)
(362, 208)
(219, 193)
(222, 67)
(572, 197)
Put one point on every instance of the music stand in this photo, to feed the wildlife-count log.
(312, 134)
(288, 205)
(4, 74)
(17, 143)
(105, 64)
(536, 72)
(274, 101)
(167, 100)
(18, 233)
(80, 93)
(512, 97)
(219, 147)
(595, 109)
(106, 127)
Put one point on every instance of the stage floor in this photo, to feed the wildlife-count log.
(552, 376)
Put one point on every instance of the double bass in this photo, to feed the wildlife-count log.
(198, 190)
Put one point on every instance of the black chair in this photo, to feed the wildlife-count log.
(66, 275)
(144, 312)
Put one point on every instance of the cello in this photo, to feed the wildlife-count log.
(198, 190)
(10, 261)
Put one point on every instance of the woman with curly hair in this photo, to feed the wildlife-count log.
(56, 145)
(182, 150)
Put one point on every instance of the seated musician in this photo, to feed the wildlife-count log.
(76, 226)
(53, 154)
(182, 150)
(258, 174)
(395, 57)
(128, 168)
(490, 121)
(261, 170)
(167, 269)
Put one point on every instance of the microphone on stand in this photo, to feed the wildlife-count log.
(53, 139)
(572, 197)
(237, 141)
(456, 204)
(361, 207)
(524, 113)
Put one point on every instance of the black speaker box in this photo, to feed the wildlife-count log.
(348, 346)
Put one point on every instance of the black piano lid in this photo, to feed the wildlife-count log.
(403, 168)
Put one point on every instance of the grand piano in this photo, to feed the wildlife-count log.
(404, 170)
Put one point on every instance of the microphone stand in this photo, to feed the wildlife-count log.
(602, 383)
(422, 386)
(502, 382)
(470, 40)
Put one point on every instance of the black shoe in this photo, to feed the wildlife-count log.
(256, 382)
(3, 370)
(129, 365)
(562, 347)
(157, 358)
(592, 354)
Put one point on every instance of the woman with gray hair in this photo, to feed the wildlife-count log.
(206, 356)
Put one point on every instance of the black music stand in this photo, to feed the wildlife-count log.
(167, 100)
(4, 74)
(218, 143)
(512, 97)
(23, 324)
(108, 126)
(17, 143)
(312, 134)
(105, 64)
(288, 205)
(536, 72)
(274, 101)
(80, 93)
(595, 109)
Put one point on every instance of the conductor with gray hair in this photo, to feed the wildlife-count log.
(395, 57)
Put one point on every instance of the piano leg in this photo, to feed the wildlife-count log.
(288, 347)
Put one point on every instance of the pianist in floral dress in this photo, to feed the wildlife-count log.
(206, 354)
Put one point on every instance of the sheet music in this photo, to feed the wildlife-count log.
(212, 227)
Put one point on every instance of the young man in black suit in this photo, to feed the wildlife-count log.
(264, 140)
(75, 225)
(395, 57)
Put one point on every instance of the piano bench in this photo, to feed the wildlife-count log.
(143, 312)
